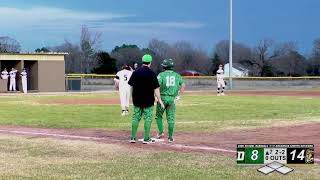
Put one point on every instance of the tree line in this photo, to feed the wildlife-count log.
(266, 58)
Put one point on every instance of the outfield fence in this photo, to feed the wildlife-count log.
(100, 82)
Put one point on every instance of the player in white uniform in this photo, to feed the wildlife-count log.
(220, 81)
(4, 74)
(23, 75)
(12, 74)
(121, 81)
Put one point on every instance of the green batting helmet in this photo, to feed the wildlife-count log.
(167, 64)
(147, 58)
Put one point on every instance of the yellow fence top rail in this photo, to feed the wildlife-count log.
(91, 75)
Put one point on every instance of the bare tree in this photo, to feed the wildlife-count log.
(240, 51)
(287, 61)
(8, 44)
(72, 60)
(89, 44)
(185, 56)
(314, 61)
(160, 50)
(261, 55)
(127, 55)
(262, 51)
(316, 48)
(81, 58)
(284, 48)
(222, 50)
(190, 58)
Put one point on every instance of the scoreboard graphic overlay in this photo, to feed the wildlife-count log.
(286, 154)
(274, 157)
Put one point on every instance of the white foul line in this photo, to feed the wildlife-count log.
(101, 138)
(202, 148)
(53, 135)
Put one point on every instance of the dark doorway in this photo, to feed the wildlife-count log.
(32, 74)
(9, 65)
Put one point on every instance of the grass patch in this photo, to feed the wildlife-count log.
(194, 113)
(45, 158)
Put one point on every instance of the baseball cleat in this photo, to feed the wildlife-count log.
(133, 140)
(123, 113)
(150, 141)
(170, 140)
(222, 94)
(126, 112)
(160, 136)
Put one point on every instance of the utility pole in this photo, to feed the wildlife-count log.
(230, 42)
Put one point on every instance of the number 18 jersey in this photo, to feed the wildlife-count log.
(170, 83)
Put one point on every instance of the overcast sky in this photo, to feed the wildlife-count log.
(37, 23)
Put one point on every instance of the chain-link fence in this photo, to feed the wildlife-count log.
(93, 82)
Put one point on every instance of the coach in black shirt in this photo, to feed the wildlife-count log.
(145, 86)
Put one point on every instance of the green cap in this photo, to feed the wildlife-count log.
(167, 64)
(147, 58)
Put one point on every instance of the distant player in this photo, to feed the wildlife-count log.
(12, 74)
(4, 74)
(171, 83)
(121, 81)
(23, 75)
(220, 81)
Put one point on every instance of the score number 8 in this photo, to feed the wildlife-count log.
(254, 155)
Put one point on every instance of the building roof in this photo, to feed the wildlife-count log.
(239, 67)
(50, 56)
(35, 53)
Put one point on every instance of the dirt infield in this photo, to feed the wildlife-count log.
(298, 134)
(221, 143)
(101, 101)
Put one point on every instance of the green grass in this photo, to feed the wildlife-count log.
(45, 158)
(41, 158)
(194, 113)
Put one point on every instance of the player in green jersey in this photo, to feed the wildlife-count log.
(171, 87)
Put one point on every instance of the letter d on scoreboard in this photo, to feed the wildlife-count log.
(250, 155)
(240, 155)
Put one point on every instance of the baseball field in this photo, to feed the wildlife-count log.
(83, 136)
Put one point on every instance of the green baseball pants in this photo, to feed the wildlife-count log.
(137, 115)
(170, 109)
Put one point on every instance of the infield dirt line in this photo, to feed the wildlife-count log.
(101, 138)
(116, 140)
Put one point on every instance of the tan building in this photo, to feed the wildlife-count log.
(45, 71)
